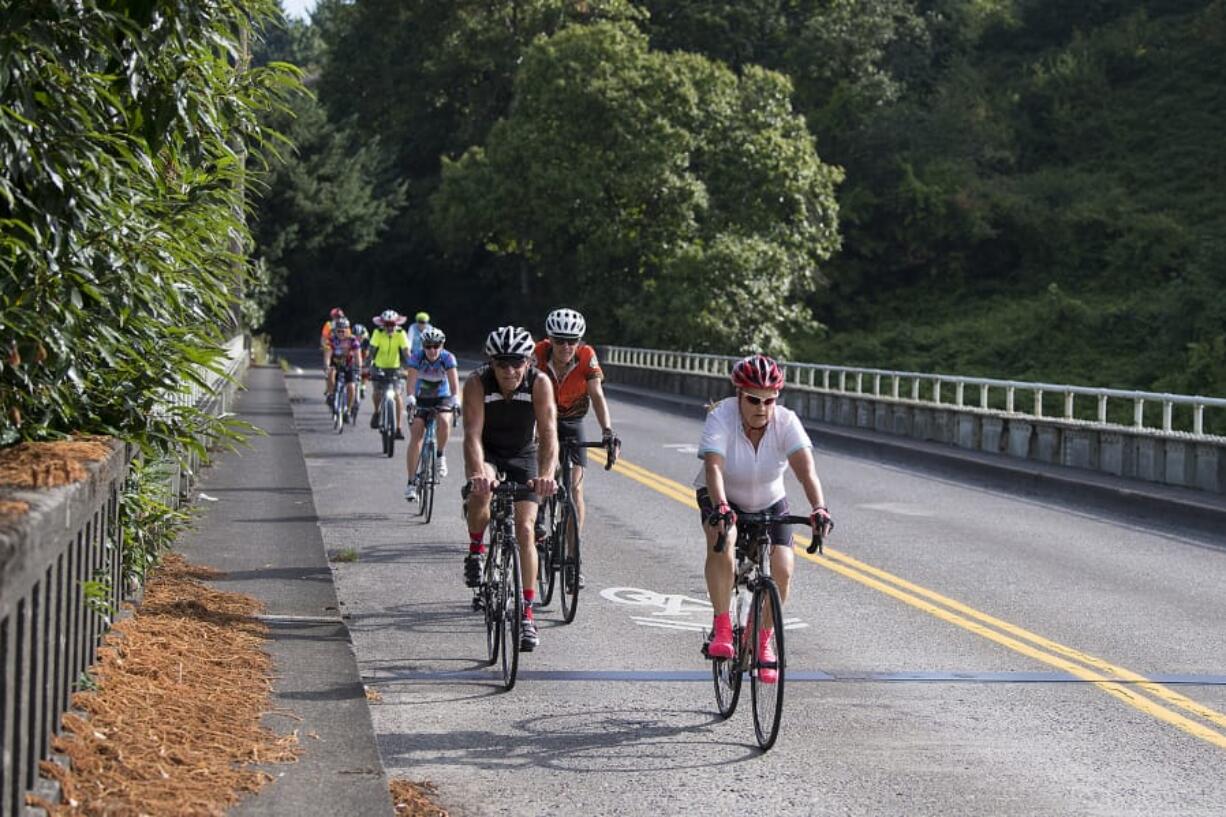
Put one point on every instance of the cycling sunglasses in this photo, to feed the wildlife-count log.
(758, 401)
(432, 346)
(516, 362)
(565, 341)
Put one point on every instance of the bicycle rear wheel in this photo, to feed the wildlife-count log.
(568, 555)
(512, 614)
(767, 693)
(546, 567)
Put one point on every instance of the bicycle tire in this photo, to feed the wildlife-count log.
(427, 485)
(767, 697)
(338, 411)
(513, 613)
(422, 476)
(491, 606)
(568, 548)
(546, 567)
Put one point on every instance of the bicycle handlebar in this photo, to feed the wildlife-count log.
(764, 519)
(610, 458)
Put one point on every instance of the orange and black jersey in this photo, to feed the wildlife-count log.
(571, 391)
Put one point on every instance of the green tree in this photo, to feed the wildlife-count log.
(625, 177)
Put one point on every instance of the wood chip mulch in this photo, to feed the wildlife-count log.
(173, 727)
(415, 799)
(49, 464)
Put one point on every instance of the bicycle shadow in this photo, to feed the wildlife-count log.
(646, 739)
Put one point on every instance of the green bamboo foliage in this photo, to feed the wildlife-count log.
(126, 127)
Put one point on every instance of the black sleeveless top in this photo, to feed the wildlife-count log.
(510, 425)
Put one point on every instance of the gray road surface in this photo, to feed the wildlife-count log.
(961, 651)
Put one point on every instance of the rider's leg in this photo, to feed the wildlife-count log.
(399, 411)
(525, 521)
(720, 569)
(417, 433)
(351, 394)
(576, 490)
(331, 379)
(782, 565)
(478, 511)
(442, 430)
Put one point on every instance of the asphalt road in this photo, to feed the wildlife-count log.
(959, 651)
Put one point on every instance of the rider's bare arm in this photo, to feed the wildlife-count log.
(453, 380)
(600, 406)
(474, 423)
(802, 466)
(546, 426)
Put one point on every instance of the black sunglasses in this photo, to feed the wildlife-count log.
(510, 362)
(432, 346)
(566, 341)
(758, 401)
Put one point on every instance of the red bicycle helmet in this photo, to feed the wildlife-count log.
(757, 372)
(336, 312)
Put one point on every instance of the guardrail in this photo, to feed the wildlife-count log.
(928, 389)
(49, 630)
(1167, 438)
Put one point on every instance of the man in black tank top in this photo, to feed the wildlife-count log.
(510, 425)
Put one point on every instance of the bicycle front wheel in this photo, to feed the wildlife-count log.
(513, 614)
(429, 478)
(423, 477)
(491, 604)
(767, 667)
(546, 567)
(568, 555)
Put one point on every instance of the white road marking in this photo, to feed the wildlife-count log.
(676, 611)
(682, 448)
(899, 508)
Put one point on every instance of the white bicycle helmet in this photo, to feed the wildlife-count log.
(390, 319)
(509, 341)
(565, 323)
(433, 335)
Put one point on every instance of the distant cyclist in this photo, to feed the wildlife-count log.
(434, 382)
(344, 362)
(325, 349)
(389, 354)
(508, 407)
(747, 443)
(421, 322)
(575, 372)
(363, 336)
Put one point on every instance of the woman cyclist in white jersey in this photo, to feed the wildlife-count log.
(747, 443)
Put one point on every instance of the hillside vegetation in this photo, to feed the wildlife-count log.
(1016, 188)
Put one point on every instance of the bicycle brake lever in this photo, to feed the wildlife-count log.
(815, 546)
(720, 541)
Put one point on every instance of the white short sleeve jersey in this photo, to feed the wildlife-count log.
(753, 479)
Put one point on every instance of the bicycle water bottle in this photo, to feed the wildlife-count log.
(742, 609)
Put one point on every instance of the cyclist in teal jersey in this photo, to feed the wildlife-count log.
(432, 384)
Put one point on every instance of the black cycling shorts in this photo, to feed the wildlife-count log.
(573, 430)
(345, 373)
(780, 533)
(443, 405)
(518, 467)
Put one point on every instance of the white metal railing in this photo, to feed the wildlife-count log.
(996, 397)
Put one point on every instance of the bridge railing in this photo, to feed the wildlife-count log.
(981, 394)
(70, 539)
(1170, 438)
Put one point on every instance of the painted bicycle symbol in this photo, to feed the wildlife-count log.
(675, 611)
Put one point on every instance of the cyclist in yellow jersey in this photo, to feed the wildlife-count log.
(389, 354)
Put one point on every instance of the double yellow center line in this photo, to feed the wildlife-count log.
(1139, 692)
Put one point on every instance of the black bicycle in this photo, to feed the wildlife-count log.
(757, 610)
(500, 593)
(388, 387)
(558, 550)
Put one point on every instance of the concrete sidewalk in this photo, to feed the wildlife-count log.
(257, 523)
